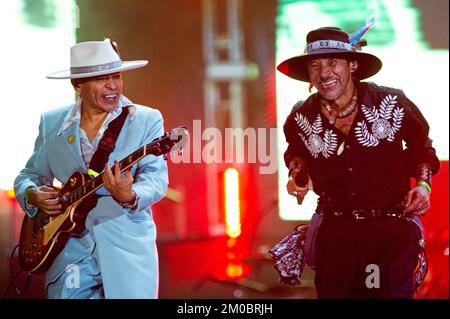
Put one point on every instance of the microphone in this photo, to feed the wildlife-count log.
(301, 180)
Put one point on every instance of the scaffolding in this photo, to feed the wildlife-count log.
(226, 70)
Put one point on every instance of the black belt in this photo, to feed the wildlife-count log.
(361, 214)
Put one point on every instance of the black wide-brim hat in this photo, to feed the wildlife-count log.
(325, 43)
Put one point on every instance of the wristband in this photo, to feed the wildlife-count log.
(425, 184)
(129, 205)
(296, 163)
(424, 173)
(27, 198)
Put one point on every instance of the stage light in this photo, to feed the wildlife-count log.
(10, 193)
(234, 270)
(33, 27)
(232, 202)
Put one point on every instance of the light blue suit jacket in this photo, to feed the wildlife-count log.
(124, 241)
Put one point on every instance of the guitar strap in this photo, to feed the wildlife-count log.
(107, 144)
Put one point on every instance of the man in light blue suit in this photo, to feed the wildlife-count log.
(116, 256)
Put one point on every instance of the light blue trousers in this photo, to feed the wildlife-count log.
(79, 281)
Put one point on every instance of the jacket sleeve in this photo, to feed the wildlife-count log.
(419, 147)
(151, 177)
(295, 146)
(36, 172)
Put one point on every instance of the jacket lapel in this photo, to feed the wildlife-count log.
(71, 136)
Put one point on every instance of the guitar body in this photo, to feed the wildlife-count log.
(42, 237)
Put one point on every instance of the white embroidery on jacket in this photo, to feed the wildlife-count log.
(311, 138)
(382, 126)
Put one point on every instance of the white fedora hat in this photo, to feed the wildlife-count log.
(95, 58)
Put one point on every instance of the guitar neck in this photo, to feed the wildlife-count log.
(95, 183)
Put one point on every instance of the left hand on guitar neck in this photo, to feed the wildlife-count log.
(119, 186)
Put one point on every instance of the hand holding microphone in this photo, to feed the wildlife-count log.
(299, 183)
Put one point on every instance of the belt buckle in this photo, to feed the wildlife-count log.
(356, 214)
(338, 213)
(395, 214)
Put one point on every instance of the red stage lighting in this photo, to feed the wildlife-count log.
(232, 202)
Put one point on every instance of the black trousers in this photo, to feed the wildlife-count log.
(372, 258)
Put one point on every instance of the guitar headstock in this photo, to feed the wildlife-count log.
(176, 139)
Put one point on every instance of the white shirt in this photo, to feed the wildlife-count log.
(87, 148)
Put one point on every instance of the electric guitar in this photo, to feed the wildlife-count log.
(42, 237)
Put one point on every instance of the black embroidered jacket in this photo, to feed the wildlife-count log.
(372, 166)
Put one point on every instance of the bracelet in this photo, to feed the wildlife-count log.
(296, 163)
(27, 198)
(424, 173)
(129, 205)
(425, 184)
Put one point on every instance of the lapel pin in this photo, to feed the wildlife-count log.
(70, 139)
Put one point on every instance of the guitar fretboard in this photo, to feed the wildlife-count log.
(93, 184)
(159, 146)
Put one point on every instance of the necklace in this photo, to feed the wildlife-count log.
(344, 113)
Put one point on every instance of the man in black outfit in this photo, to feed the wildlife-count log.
(349, 138)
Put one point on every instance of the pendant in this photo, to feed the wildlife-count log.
(341, 148)
(332, 119)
